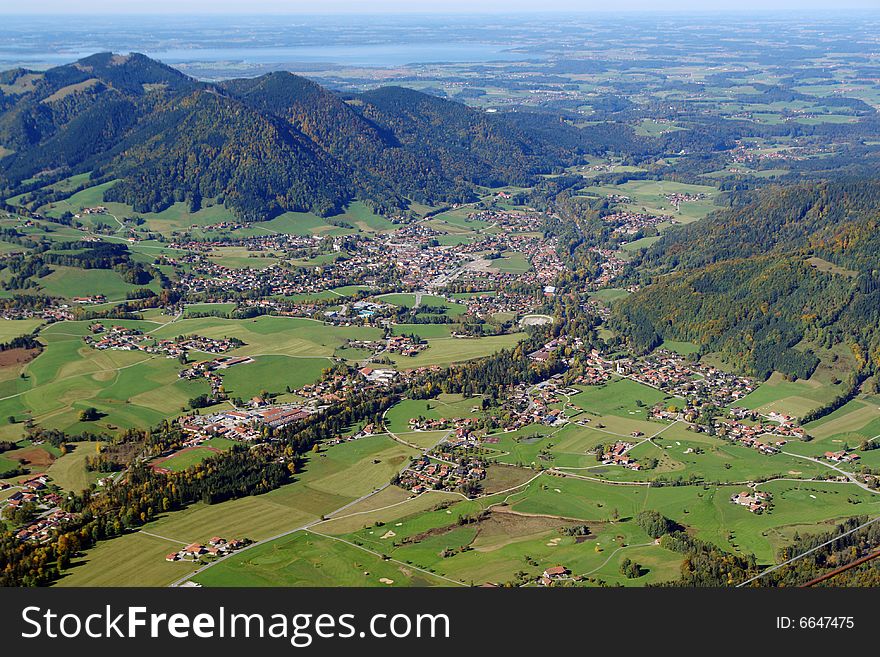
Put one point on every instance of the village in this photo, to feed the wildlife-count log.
(450, 466)
(37, 498)
(130, 339)
(630, 223)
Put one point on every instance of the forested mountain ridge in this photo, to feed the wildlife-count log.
(265, 145)
(759, 282)
(837, 221)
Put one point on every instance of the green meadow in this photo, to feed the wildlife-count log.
(273, 374)
(309, 559)
(444, 351)
(332, 478)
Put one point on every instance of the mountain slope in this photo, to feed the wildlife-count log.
(760, 283)
(265, 145)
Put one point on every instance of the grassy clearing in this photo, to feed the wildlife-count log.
(444, 351)
(792, 397)
(188, 458)
(69, 471)
(445, 406)
(309, 559)
(273, 374)
(682, 348)
(622, 397)
(12, 328)
(71, 282)
(337, 476)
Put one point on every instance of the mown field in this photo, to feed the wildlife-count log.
(444, 351)
(309, 559)
(335, 477)
(444, 406)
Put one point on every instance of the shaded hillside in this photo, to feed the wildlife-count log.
(756, 282)
(265, 145)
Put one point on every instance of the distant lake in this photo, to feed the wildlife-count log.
(359, 55)
(381, 55)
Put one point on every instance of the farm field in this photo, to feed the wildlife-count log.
(650, 196)
(682, 348)
(622, 397)
(791, 397)
(444, 351)
(70, 472)
(335, 477)
(272, 374)
(186, 458)
(71, 282)
(129, 389)
(269, 335)
(13, 328)
(310, 559)
(133, 389)
(424, 331)
(444, 406)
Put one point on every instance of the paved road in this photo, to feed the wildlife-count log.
(846, 474)
(317, 521)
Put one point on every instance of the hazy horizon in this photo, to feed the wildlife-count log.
(485, 7)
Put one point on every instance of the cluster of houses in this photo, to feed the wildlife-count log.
(205, 276)
(527, 404)
(443, 469)
(405, 345)
(767, 439)
(630, 223)
(98, 209)
(755, 501)
(338, 385)
(518, 220)
(486, 304)
(44, 528)
(409, 258)
(597, 369)
(131, 339)
(618, 454)
(36, 493)
(842, 456)
(242, 424)
(677, 198)
(51, 313)
(611, 266)
(673, 374)
(216, 547)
